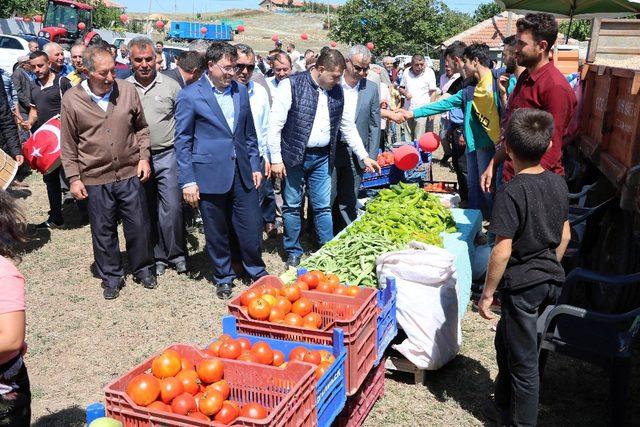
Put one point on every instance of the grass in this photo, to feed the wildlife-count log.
(78, 342)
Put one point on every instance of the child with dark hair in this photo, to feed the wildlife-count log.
(15, 393)
(532, 232)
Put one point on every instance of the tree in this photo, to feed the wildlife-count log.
(9, 8)
(580, 29)
(486, 11)
(398, 26)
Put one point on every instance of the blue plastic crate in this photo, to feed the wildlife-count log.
(387, 320)
(331, 393)
(388, 175)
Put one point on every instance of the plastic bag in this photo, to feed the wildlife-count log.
(427, 305)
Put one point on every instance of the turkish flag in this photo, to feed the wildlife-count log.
(42, 149)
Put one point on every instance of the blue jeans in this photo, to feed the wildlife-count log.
(314, 171)
(477, 162)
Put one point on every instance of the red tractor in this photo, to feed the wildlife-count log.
(66, 21)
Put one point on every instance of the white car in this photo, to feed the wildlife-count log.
(11, 48)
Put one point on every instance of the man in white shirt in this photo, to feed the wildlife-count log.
(362, 106)
(281, 70)
(305, 118)
(417, 85)
(259, 101)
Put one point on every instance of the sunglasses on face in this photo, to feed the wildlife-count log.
(249, 67)
(359, 69)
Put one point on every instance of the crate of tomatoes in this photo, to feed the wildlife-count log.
(293, 312)
(329, 362)
(185, 386)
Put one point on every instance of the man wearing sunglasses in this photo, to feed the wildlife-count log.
(362, 105)
(219, 164)
(259, 100)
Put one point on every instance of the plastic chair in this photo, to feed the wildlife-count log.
(601, 330)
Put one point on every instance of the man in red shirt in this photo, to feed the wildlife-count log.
(540, 86)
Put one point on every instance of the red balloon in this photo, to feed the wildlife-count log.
(370, 46)
(406, 157)
(333, 44)
(240, 28)
(124, 18)
(81, 26)
(275, 38)
(37, 18)
(203, 30)
(304, 36)
(159, 24)
(429, 142)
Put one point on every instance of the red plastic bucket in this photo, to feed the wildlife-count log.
(406, 157)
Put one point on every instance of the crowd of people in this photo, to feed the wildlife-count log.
(245, 143)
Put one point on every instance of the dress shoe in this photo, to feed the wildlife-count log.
(112, 292)
(223, 291)
(271, 230)
(181, 267)
(292, 261)
(49, 224)
(148, 282)
(160, 269)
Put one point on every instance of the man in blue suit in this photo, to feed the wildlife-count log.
(219, 164)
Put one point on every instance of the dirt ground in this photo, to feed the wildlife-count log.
(78, 342)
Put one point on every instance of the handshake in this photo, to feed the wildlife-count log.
(398, 116)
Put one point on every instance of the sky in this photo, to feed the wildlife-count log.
(188, 6)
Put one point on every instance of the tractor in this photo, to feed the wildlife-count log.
(66, 21)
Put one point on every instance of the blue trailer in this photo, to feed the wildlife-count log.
(187, 31)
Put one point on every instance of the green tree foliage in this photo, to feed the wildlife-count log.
(486, 11)
(398, 26)
(9, 8)
(580, 29)
(105, 17)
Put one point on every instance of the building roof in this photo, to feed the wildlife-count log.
(296, 3)
(113, 4)
(492, 31)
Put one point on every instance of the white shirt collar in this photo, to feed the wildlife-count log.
(346, 85)
(85, 86)
(215, 89)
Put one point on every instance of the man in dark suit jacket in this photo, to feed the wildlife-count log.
(189, 68)
(9, 140)
(362, 105)
(219, 164)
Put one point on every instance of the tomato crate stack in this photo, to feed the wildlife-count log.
(360, 404)
(330, 387)
(287, 394)
(356, 315)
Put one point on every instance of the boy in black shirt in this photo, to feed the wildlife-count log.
(532, 232)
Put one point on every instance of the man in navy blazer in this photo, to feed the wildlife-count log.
(219, 164)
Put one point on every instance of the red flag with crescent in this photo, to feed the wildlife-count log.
(42, 149)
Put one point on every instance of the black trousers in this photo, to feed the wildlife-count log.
(164, 198)
(459, 161)
(125, 200)
(54, 194)
(15, 407)
(516, 341)
(267, 198)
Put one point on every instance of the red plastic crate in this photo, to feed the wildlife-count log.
(289, 394)
(359, 405)
(356, 316)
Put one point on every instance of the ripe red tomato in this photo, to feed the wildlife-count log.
(210, 402)
(245, 344)
(276, 315)
(214, 348)
(254, 411)
(259, 309)
(293, 319)
(248, 356)
(268, 290)
(263, 352)
(198, 416)
(183, 404)
(234, 404)
(159, 406)
(312, 356)
(221, 387)
(172, 352)
(291, 292)
(248, 295)
(228, 413)
(322, 369)
(341, 290)
(311, 280)
(210, 370)
(327, 356)
(278, 358)
(190, 381)
(230, 350)
(302, 285)
(166, 365)
(170, 388)
(297, 354)
(185, 364)
(325, 287)
(302, 307)
(143, 389)
(283, 304)
(332, 279)
(313, 319)
(353, 290)
(319, 274)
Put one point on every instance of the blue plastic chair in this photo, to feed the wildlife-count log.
(597, 320)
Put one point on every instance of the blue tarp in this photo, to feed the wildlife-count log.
(460, 244)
